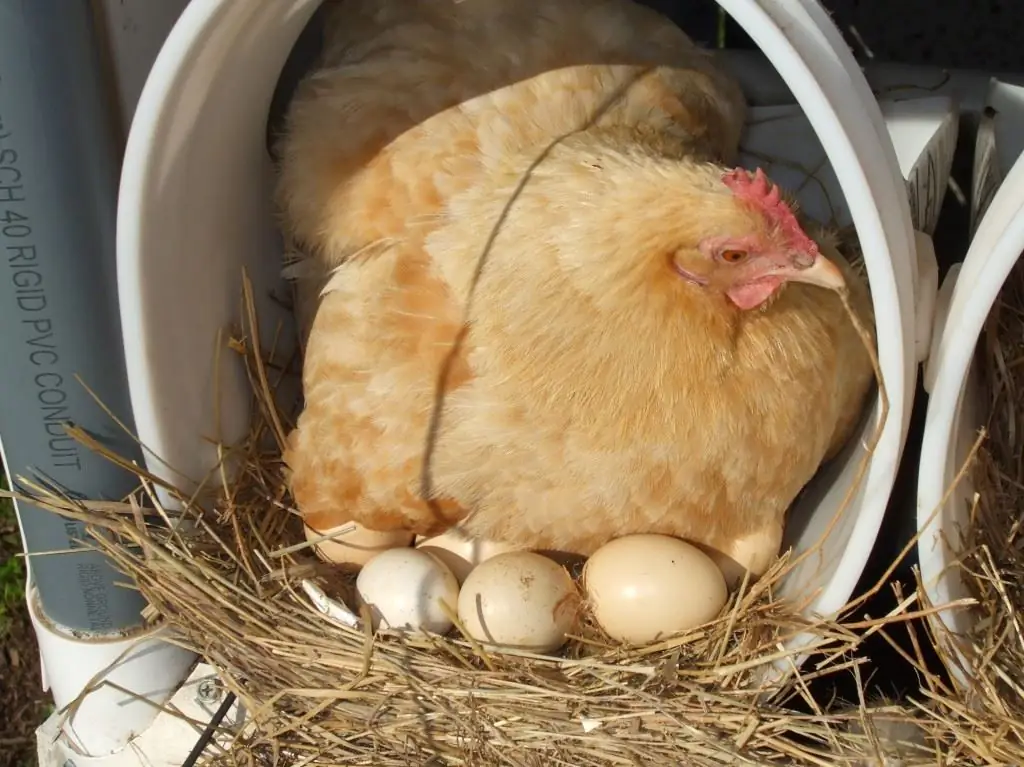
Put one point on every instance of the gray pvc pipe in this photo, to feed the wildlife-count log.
(58, 298)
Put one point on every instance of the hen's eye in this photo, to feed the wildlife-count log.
(733, 256)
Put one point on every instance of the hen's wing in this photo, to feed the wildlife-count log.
(371, 372)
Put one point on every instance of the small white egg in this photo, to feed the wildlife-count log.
(460, 552)
(647, 587)
(404, 589)
(356, 547)
(519, 600)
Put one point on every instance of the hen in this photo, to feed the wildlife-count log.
(553, 311)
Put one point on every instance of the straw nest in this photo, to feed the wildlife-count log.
(225, 571)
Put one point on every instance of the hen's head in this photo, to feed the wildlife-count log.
(754, 247)
(683, 227)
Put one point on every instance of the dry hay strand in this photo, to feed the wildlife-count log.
(223, 569)
(987, 708)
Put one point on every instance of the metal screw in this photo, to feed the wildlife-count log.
(207, 691)
(69, 763)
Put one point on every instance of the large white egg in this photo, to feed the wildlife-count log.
(404, 589)
(519, 600)
(647, 587)
(460, 552)
(357, 546)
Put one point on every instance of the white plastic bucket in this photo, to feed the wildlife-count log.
(955, 412)
(195, 209)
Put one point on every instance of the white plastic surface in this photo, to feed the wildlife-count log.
(924, 133)
(167, 742)
(129, 679)
(954, 411)
(942, 301)
(1008, 102)
(988, 172)
(195, 208)
(927, 288)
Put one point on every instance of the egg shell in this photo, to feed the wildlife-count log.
(357, 547)
(519, 600)
(404, 588)
(460, 552)
(645, 587)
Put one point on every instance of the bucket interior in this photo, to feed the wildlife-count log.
(196, 209)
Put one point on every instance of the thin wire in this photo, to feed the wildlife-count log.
(207, 734)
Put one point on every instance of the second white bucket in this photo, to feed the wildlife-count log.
(956, 410)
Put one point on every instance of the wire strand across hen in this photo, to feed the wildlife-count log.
(553, 311)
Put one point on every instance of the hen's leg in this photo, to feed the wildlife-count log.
(753, 553)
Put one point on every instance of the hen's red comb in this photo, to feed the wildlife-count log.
(759, 191)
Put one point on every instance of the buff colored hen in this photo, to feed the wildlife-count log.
(545, 281)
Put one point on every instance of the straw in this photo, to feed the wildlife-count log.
(226, 577)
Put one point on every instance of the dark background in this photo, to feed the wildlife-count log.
(984, 34)
(965, 34)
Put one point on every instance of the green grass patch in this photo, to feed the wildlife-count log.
(12, 566)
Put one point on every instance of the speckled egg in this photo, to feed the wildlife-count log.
(519, 600)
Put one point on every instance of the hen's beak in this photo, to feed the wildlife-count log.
(821, 272)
